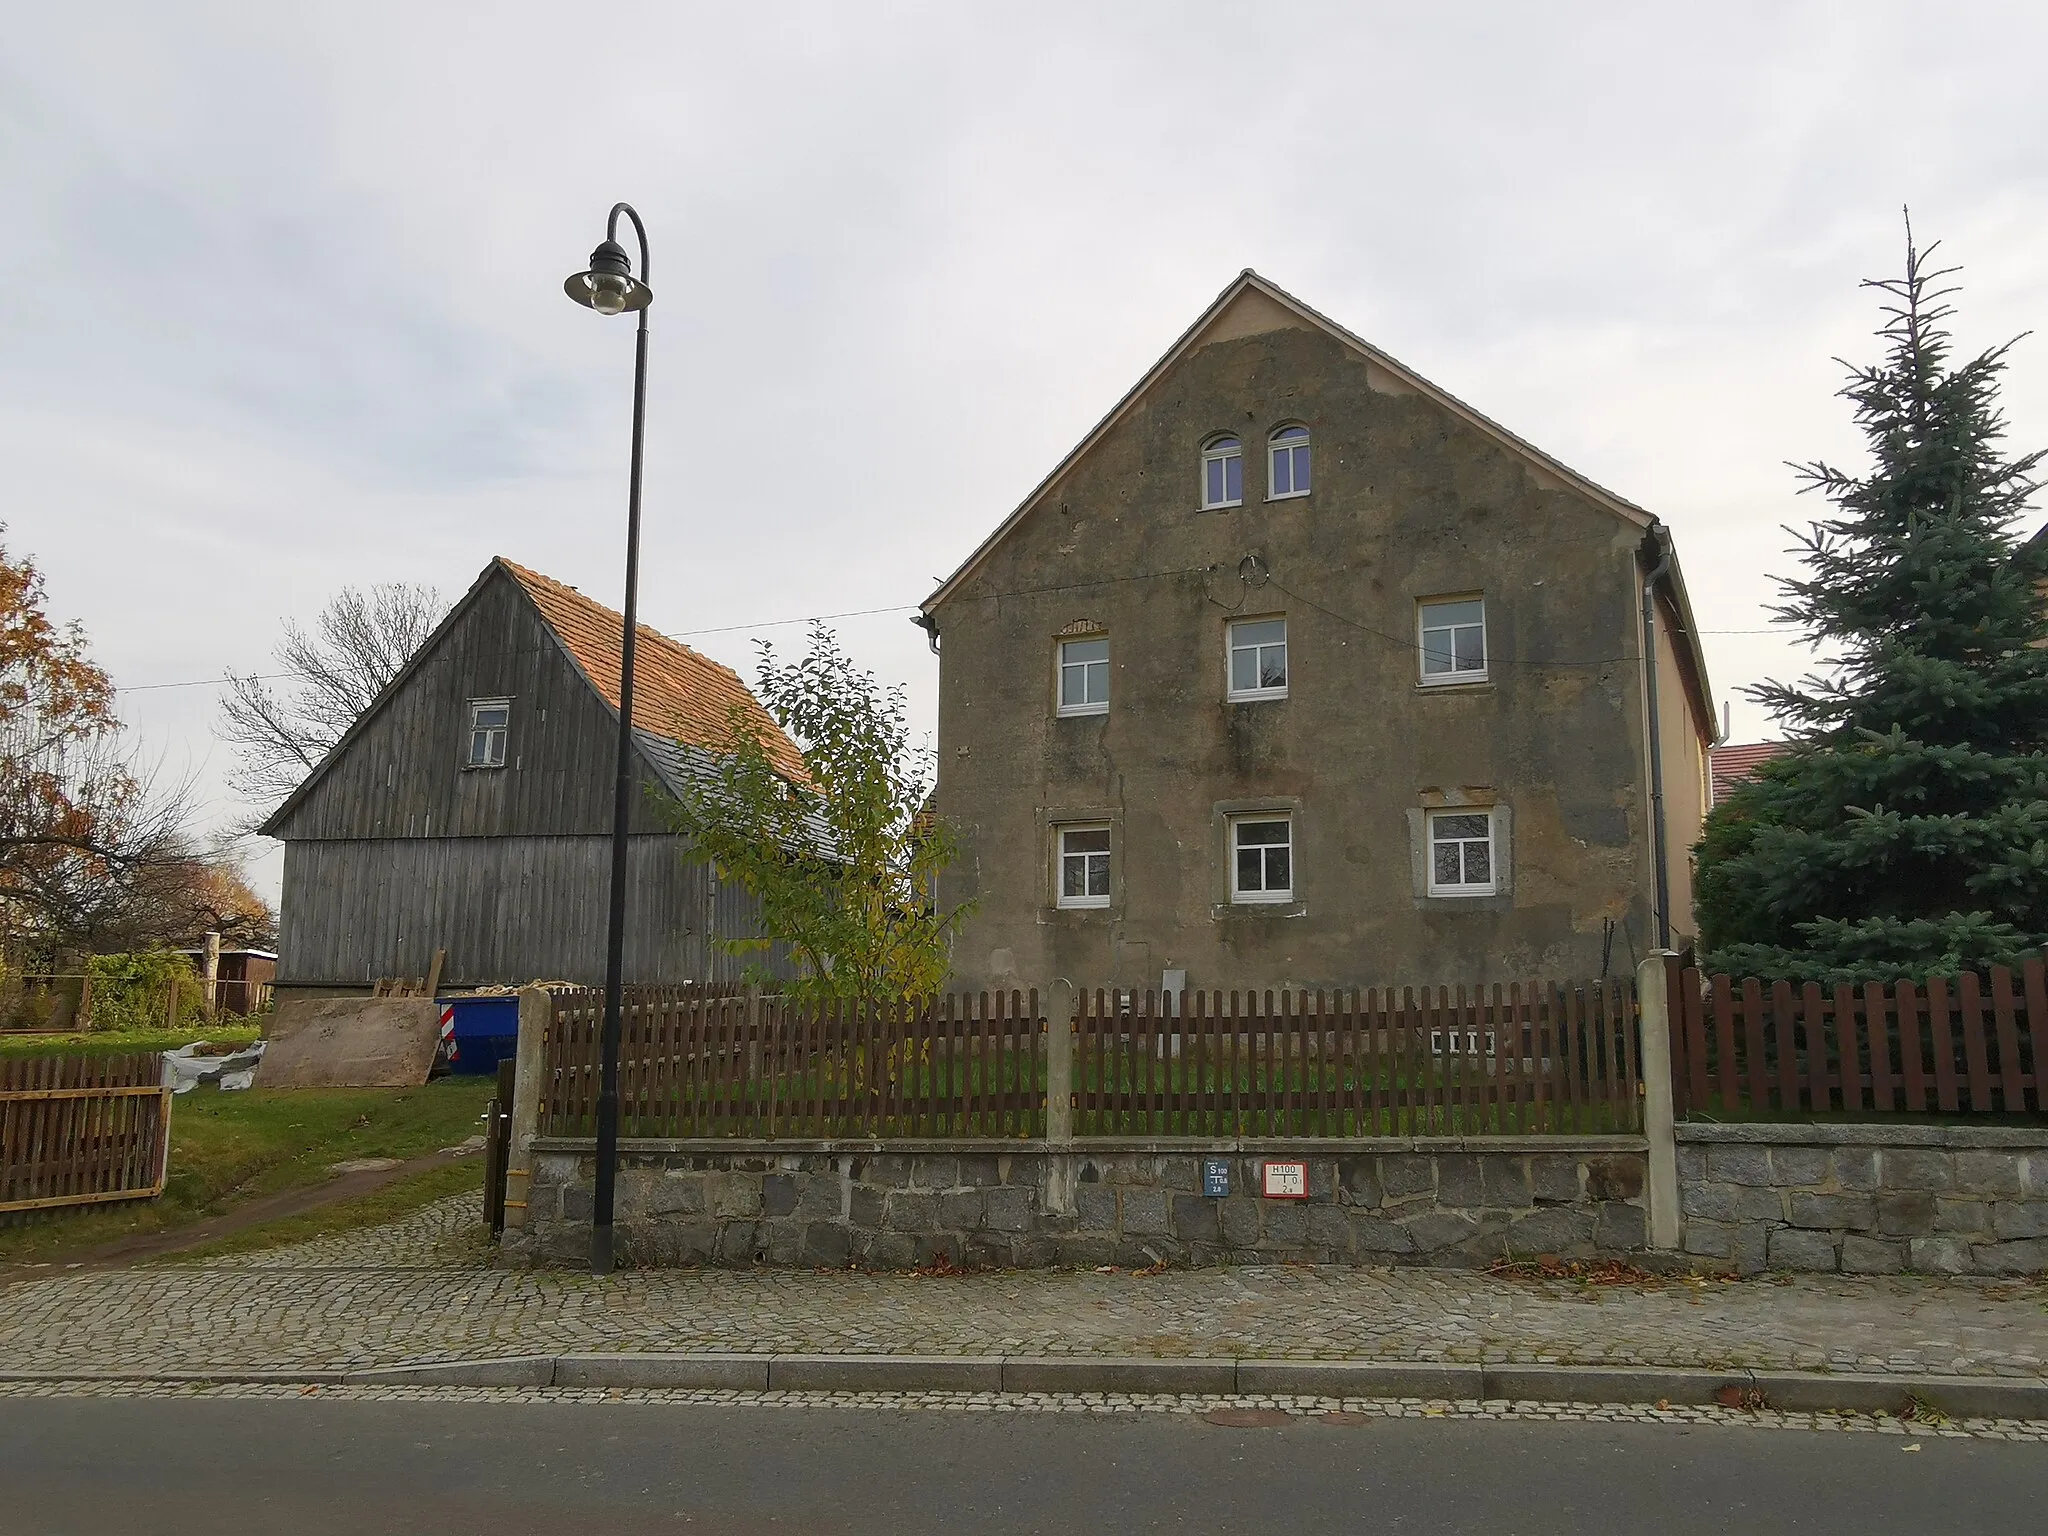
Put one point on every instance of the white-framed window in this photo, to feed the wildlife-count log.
(490, 721)
(1258, 659)
(1461, 854)
(1453, 640)
(1222, 473)
(1084, 676)
(1262, 857)
(1287, 463)
(1084, 866)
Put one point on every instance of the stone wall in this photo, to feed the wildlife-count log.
(1866, 1199)
(1131, 1203)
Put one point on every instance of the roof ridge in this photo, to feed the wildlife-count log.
(532, 577)
(679, 693)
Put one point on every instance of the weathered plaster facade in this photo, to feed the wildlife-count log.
(1413, 498)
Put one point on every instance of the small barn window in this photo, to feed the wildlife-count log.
(489, 720)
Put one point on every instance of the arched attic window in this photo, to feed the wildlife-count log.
(1287, 463)
(1222, 473)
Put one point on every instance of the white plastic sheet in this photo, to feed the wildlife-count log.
(185, 1069)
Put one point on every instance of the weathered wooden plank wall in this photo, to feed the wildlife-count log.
(507, 909)
(400, 850)
(403, 775)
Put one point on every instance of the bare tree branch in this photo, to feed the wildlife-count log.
(361, 641)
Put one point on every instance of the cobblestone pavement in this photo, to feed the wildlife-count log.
(1223, 1409)
(447, 1234)
(421, 1289)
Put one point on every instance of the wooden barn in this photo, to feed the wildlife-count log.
(469, 809)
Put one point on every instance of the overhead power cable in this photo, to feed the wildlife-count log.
(1038, 591)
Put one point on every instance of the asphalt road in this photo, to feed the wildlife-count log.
(81, 1467)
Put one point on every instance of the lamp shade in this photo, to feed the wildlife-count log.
(609, 287)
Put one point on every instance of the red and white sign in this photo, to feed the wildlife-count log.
(1285, 1181)
(450, 1051)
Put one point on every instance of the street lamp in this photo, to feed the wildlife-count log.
(610, 288)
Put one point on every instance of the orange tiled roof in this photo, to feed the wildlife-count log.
(677, 692)
(1731, 765)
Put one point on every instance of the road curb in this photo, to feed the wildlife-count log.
(1809, 1391)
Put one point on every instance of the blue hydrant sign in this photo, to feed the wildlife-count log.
(1216, 1177)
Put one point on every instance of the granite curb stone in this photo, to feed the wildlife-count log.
(1807, 1391)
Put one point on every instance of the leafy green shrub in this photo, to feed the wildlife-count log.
(132, 992)
(32, 1009)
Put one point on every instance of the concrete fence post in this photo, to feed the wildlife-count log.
(1059, 1063)
(1653, 999)
(536, 1013)
(1061, 1173)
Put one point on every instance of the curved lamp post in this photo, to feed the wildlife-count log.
(610, 288)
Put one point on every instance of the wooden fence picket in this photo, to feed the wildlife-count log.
(82, 1130)
(1524, 1058)
(1966, 1044)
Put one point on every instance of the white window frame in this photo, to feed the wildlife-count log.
(1089, 706)
(1060, 856)
(1422, 629)
(498, 735)
(1215, 451)
(1238, 695)
(1238, 894)
(1491, 885)
(1277, 445)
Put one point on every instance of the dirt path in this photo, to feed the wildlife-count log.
(286, 1202)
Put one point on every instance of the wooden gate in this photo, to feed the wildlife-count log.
(78, 1130)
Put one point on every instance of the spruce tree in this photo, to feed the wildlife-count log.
(1905, 830)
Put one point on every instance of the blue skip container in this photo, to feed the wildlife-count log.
(479, 1032)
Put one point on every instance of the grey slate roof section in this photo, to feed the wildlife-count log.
(679, 765)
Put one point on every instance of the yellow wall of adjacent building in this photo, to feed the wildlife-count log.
(1686, 775)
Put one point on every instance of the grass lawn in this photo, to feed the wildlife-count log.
(229, 1147)
(115, 1043)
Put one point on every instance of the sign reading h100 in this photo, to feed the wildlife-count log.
(1286, 1181)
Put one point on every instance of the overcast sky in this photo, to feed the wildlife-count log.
(281, 306)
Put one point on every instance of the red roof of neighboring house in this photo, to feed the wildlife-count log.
(677, 692)
(1731, 765)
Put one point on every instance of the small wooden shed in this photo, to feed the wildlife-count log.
(469, 809)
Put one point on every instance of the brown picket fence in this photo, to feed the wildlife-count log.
(79, 1130)
(1545, 1058)
(1963, 1044)
(1542, 1058)
(694, 1065)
